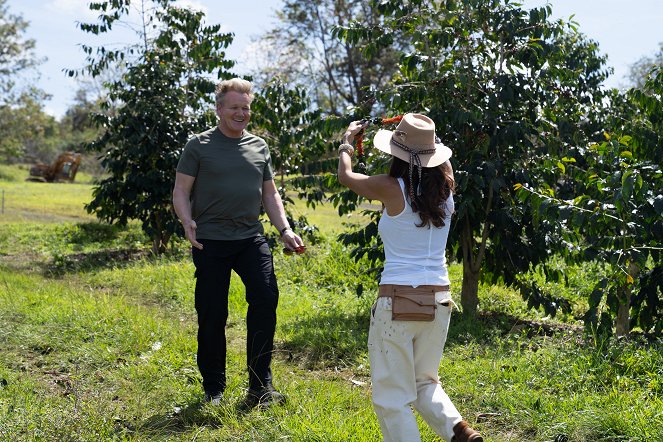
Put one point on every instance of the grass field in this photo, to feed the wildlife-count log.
(97, 342)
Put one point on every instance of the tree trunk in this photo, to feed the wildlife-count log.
(623, 322)
(156, 246)
(469, 297)
(160, 244)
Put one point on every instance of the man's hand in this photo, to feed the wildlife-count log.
(182, 206)
(292, 241)
(190, 232)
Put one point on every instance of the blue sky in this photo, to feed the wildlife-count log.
(625, 31)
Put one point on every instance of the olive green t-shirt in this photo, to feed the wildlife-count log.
(227, 194)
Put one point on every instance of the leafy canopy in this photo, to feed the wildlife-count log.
(506, 87)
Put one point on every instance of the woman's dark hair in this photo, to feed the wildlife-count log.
(437, 183)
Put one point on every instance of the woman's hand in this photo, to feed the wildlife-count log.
(353, 129)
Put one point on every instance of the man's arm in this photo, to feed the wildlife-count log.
(271, 201)
(182, 205)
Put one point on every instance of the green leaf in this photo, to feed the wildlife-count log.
(561, 166)
(628, 181)
(595, 297)
(625, 140)
(658, 205)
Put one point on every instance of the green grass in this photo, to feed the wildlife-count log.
(26, 201)
(97, 342)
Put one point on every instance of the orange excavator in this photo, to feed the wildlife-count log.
(63, 169)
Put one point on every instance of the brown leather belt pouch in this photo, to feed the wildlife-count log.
(410, 303)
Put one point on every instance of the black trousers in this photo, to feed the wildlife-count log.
(252, 260)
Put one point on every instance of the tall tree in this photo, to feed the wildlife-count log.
(16, 51)
(506, 87)
(77, 117)
(304, 52)
(640, 71)
(164, 97)
(28, 132)
(20, 100)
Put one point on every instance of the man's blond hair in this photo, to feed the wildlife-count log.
(234, 84)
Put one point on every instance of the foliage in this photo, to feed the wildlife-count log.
(11, 174)
(612, 212)
(78, 117)
(76, 129)
(21, 116)
(304, 53)
(17, 55)
(641, 69)
(165, 97)
(506, 88)
(282, 116)
(28, 132)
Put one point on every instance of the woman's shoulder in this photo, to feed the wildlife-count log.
(394, 200)
(391, 184)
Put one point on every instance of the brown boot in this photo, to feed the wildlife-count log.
(464, 433)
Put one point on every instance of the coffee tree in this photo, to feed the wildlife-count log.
(282, 115)
(507, 88)
(164, 97)
(615, 213)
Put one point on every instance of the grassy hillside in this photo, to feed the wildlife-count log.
(97, 342)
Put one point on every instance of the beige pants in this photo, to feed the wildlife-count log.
(405, 358)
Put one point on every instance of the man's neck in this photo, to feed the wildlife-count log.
(230, 134)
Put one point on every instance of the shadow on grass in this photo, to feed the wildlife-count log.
(328, 338)
(489, 330)
(197, 415)
(60, 265)
(180, 421)
(334, 338)
(93, 232)
(102, 246)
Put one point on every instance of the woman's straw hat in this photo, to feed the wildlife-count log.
(413, 141)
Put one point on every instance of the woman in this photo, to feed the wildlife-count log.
(405, 354)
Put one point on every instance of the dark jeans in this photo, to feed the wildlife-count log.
(252, 260)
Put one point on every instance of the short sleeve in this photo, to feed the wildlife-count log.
(189, 161)
(267, 173)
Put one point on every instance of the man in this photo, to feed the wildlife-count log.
(222, 179)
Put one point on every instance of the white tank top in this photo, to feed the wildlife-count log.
(414, 255)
